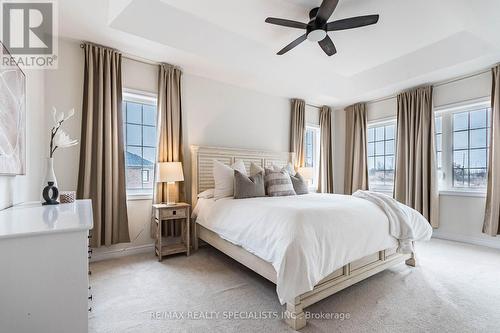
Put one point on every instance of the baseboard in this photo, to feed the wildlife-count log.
(117, 253)
(493, 242)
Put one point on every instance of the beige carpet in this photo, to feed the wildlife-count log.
(456, 288)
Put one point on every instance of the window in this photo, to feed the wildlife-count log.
(139, 114)
(462, 144)
(311, 154)
(381, 156)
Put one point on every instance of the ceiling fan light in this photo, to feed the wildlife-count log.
(316, 35)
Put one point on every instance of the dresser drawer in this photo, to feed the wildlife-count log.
(173, 213)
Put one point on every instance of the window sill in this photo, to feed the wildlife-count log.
(457, 193)
(135, 197)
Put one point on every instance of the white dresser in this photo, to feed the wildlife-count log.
(44, 268)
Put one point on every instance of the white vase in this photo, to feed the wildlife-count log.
(50, 175)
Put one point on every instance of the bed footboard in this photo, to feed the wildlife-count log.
(344, 277)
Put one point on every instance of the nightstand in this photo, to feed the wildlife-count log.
(168, 214)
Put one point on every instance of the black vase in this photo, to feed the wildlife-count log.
(50, 194)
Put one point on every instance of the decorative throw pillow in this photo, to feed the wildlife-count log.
(299, 184)
(224, 178)
(255, 169)
(208, 194)
(278, 183)
(248, 187)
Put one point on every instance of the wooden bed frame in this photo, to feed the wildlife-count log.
(358, 270)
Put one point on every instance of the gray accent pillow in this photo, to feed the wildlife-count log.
(278, 183)
(299, 184)
(248, 187)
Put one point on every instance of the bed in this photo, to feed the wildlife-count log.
(227, 241)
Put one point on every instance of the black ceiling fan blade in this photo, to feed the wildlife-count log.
(326, 10)
(292, 44)
(353, 22)
(286, 23)
(328, 46)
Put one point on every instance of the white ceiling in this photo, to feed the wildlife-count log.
(415, 42)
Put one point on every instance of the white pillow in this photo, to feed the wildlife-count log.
(255, 169)
(208, 194)
(224, 178)
(288, 168)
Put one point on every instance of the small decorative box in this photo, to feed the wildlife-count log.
(67, 196)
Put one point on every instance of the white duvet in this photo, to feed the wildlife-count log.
(305, 237)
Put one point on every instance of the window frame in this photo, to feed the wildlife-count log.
(446, 174)
(313, 185)
(386, 189)
(140, 97)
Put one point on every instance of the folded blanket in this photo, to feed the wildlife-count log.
(405, 223)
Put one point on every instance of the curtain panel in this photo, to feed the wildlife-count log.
(492, 213)
(169, 129)
(356, 164)
(415, 182)
(297, 131)
(325, 181)
(101, 175)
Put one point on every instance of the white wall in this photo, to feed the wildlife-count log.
(461, 218)
(16, 189)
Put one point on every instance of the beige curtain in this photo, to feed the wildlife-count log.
(325, 181)
(415, 182)
(492, 215)
(101, 175)
(356, 165)
(169, 127)
(297, 131)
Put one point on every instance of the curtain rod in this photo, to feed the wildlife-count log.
(435, 85)
(133, 57)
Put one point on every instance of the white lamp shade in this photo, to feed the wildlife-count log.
(307, 173)
(170, 172)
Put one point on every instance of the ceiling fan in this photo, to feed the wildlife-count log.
(318, 26)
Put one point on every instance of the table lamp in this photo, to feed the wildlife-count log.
(170, 172)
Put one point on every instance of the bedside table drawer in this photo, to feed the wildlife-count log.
(173, 213)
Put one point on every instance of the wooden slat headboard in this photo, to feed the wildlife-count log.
(202, 163)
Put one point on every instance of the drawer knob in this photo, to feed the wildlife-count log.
(174, 212)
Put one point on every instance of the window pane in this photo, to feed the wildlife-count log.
(371, 163)
(389, 162)
(371, 149)
(460, 159)
(149, 157)
(149, 114)
(439, 161)
(439, 124)
(478, 119)
(439, 142)
(478, 177)
(379, 163)
(149, 134)
(134, 113)
(133, 161)
(379, 133)
(379, 148)
(460, 177)
(134, 135)
(460, 121)
(390, 132)
(460, 140)
(377, 179)
(389, 147)
(389, 178)
(478, 138)
(478, 158)
(371, 134)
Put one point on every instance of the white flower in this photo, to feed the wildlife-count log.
(59, 118)
(62, 140)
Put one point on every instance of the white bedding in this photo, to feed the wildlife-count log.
(305, 237)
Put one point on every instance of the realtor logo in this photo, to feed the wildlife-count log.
(29, 32)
